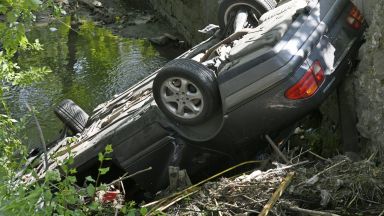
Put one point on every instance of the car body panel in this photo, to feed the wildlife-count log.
(253, 103)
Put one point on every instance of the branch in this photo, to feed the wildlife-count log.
(277, 150)
(41, 136)
(124, 177)
(311, 212)
(277, 194)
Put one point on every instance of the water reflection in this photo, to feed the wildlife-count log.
(89, 65)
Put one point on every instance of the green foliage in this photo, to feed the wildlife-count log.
(18, 15)
(57, 193)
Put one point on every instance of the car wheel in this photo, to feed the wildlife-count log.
(72, 115)
(186, 91)
(229, 8)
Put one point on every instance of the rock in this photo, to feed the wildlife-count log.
(52, 29)
(160, 40)
(97, 4)
(143, 19)
(171, 37)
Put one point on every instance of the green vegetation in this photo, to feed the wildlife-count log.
(57, 193)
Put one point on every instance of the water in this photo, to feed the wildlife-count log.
(88, 66)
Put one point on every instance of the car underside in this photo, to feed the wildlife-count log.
(266, 67)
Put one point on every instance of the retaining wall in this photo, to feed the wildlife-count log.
(188, 16)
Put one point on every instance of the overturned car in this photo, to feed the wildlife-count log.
(266, 67)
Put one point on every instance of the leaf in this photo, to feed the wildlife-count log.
(108, 149)
(143, 211)
(90, 179)
(91, 190)
(72, 171)
(103, 171)
(131, 212)
(53, 175)
(101, 157)
(72, 179)
(70, 160)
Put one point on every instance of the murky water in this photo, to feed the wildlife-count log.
(89, 66)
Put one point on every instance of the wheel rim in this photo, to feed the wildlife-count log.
(236, 7)
(182, 98)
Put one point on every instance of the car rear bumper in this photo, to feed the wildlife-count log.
(270, 111)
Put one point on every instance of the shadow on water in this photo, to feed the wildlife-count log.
(89, 65)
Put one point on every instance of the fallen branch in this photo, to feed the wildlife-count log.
(311, 212)
(124, 177)
(277, 150)
(277, 194)
(41, 136)
(318, 156)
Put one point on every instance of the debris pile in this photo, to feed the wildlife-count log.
(333, 187)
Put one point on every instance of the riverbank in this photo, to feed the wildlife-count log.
(92, 58)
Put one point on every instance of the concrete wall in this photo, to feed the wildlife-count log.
(369, 79)
(366, 6)
(188, 16)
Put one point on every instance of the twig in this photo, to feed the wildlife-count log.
(241, 208)
(311, 212)
(68, 26)
(177, 199)
(298, 156)
(331, 167)
(286, 167)
(173, 197)
(277, 194)
(217, 206)
(277, 150)
(322, 172)
(350, 203)
(382, 213)
(124, 177)
(41, 136)
(248, 198)
(318, 156)
(372, 156)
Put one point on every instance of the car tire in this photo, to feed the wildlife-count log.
(186, 91)
(72, 115)
(227, 6)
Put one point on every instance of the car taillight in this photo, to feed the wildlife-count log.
(355, 19)
(308, 84)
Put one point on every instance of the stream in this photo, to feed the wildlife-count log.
(89, 65)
